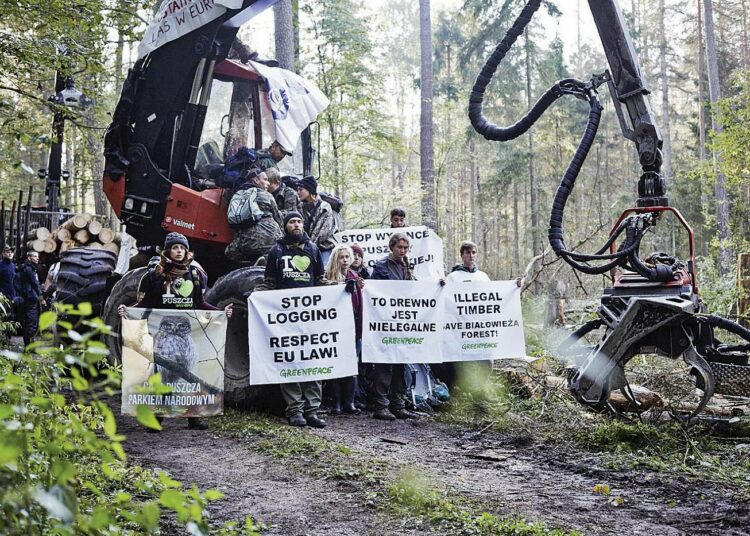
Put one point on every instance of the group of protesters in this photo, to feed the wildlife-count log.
(24, 294)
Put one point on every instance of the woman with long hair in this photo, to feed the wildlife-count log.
(339, 270)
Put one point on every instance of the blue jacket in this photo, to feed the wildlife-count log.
(7, 277)
(27, 283)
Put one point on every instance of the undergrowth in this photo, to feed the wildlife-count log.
(63, 469)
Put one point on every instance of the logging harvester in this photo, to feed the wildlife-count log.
(653, 305)
(192, 100)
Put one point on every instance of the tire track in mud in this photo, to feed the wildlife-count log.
(509, 475)
(270, 491)
(514, 475)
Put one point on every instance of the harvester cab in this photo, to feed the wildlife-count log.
(189, 105)
(653, 305)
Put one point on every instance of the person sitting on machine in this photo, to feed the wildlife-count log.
(255, 219)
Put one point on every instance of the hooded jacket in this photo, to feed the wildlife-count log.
(7, 276)
(293, 263)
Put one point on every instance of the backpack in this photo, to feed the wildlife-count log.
(243, 209)
(424, 392)
(235, 170)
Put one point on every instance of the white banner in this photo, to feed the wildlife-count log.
(176, 18)
(294, 102)
(425, 254)
(186, 348)
(482, 321)
(300, 335)
(401, 322)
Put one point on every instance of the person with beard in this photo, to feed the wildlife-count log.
(284, 271)
(164, 287)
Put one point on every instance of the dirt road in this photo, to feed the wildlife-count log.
(504, 473)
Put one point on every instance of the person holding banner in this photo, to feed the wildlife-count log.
(358, 264)
(467, 270)
(175, 282)
(320, 222)
(398, 218)
(389, 382)
(295, 262)
(339, 270)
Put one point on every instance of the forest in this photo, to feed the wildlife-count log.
(511, 450)
(694, 56)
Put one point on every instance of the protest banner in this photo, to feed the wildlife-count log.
(401, 322)
(425, 254)
(301, 335)
(482, 320)
(186, 348)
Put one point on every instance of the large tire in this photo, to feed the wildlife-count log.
(232, 288)
(83, 276)
(123, 293)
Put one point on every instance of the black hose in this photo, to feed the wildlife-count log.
(726, 324)
(478, 121)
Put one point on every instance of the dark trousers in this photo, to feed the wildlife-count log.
(302, 398)
(389, 385)
(29, 319)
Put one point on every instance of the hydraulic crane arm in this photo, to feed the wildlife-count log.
(629, 92)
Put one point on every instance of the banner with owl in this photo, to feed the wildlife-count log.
(301, 335)
(186, 348)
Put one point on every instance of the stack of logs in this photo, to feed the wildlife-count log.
(80, 230)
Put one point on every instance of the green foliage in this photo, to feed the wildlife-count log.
(63, 468)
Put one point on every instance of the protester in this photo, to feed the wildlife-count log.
(159, 288)
(302, 398)
(286, 198)
(398, 217)
(467, 270)
(389, 383)
(358, 264)
(7, 276)
(271, 156)
(320, 222)
(339, 270)
(29, 296)
(256, 238)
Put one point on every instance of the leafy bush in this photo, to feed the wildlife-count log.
(62, 465)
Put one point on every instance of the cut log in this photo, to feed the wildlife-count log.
(106, 235)
(94, 227)
(114, 248)
(40, 233)
(62, 235)
(82, 236)
(35, 245)
(66, 245)
(50, 245)
(79, 221)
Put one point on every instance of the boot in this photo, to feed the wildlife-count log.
(383, 414)
(348, 388)
(314, 421)
(335, 389)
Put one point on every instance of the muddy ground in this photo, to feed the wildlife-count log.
(504, 473)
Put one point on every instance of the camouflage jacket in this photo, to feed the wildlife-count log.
(320, 223)
(287, 200)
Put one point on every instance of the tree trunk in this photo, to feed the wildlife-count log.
(665, 124)
(426, 150)
(284, 34)
(726, 258)
(536, 243)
